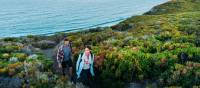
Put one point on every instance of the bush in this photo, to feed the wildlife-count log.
(14, 68)
(181, 75)
(11, 39)
(164, 36)
(3, 71)
(117, 66)
(45, 44)
(189, 29)
(122, 27)
(149, 47)
(197, 42)
(193, 53)
(134, 42)
(20, 56)
(9, 48)
(5, 56)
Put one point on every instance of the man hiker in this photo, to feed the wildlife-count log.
(64, 59)
(84, 67)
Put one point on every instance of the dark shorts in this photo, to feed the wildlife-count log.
(67, 63)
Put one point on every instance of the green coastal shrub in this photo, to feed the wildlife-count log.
(122, 27)
(3, 72)
(4, 56)
(189, 28)
(9, 48)
(149, 47)
(116, 67)
(3, 64)
(20, 56)
(192, 52)
(30, 36)
(164, 36)
(45, 44)
(182, 75)
(11, 39)
(197, 41)
(134, 42)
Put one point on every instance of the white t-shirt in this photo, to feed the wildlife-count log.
(86, 62)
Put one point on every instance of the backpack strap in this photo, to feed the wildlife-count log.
(80, 59)
(92, 55)
(82, 56)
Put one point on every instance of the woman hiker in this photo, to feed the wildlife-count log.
(84, 67)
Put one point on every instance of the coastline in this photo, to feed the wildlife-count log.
(100, 25)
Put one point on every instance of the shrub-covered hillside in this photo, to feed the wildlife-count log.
(160, 49)
(176, 6)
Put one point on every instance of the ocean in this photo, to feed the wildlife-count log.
(36, 17)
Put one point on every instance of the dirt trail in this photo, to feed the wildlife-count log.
(51, 54)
